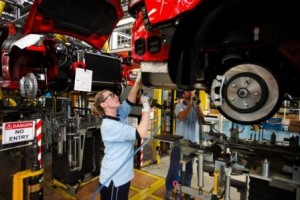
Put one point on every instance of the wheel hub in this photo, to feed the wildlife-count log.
(29, 86)
(243, 92)
(246, 92)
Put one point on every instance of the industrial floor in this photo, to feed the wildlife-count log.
(148, 184)
(144, 186)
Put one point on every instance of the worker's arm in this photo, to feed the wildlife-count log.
(199, 112)
(182, 115)
(142, 128)
(135, 88)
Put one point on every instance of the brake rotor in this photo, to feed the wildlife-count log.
(29, 86)
(250, 95)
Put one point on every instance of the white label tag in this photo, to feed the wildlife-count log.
(83, 80)
(28, 40)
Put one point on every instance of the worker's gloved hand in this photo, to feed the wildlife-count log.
(139, 77)
(195, 100)
(145, 100)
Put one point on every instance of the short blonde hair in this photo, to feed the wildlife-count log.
(96, 109)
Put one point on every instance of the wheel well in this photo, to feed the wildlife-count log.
(227, 25)
(236, 22)
(181, 63)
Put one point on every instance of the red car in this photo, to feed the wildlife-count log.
(34, 63)
(244, 53)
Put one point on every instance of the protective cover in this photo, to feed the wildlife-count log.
(106, 68)
(91, 21)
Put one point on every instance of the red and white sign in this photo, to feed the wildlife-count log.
(17, 131)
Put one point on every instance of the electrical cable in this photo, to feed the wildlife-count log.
(136, 151)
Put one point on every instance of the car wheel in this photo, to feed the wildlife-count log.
(247, 94)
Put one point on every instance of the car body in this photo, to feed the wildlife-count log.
(243, 53)
(55, 41)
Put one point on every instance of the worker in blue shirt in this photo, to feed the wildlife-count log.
(188, 113)
(118, 138)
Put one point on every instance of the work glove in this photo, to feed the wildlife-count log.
(195, 101)
(145, 100)
(139, 77)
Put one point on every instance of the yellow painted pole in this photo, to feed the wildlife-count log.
(204, 101)
(216, 182)
(157, 94)
(2, 6)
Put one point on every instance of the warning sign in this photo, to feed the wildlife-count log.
(17, 131)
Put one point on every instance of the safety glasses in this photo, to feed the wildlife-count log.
(111, 95)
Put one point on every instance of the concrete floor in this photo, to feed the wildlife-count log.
(161, 169)
(144, 186)
(148, 184)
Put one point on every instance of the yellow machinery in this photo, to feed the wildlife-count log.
(2, 6)
(27, 185)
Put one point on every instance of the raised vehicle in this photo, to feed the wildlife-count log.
(57, 38)
(243, 53)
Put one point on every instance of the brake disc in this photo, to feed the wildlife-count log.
(29, 86)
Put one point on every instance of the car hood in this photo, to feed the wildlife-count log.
(91, 21)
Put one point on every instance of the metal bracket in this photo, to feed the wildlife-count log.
(216, 90)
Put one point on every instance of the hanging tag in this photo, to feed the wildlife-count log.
(83, 80)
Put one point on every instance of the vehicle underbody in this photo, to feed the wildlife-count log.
(244, 54)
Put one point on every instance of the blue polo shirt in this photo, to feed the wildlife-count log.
(118, 138)
(188, 128)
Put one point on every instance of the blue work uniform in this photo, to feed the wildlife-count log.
(189, 129)
(118, 138)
